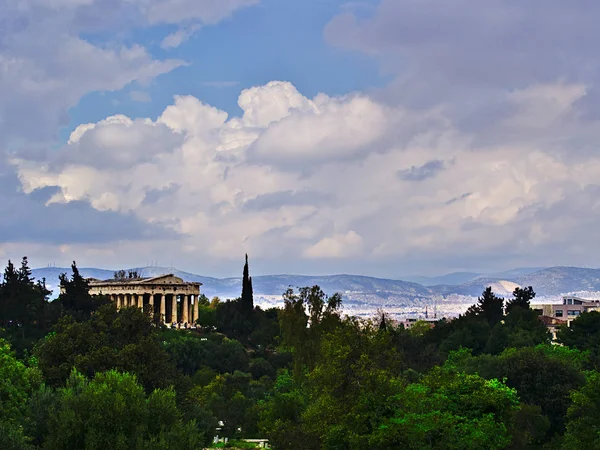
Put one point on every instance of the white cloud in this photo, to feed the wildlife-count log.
(504, 199)
(48, 66)
(178, 37)
(483, 150)
(176, 11)
(333, 129)
(263, 105)
(337, 246)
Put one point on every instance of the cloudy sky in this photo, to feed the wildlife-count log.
(382, 137)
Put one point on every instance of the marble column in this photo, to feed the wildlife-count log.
(151, 305)
(119, 301)
(186, 316)
(140, 301)
(163, 308)
(174, 309)
(196, 308)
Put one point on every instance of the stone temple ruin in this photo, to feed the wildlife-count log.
(174, 300)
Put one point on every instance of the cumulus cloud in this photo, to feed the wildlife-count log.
(482, 152)
(466, 55)
(199, 165)
(48, 67)
(336, 246)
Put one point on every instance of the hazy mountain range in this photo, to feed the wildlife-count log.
(368, 292)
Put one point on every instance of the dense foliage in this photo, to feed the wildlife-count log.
(76, 373)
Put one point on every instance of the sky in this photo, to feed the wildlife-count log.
(382, 137)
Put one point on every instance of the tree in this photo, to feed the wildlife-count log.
(305, 318)
(17, 383)
(125, 340)
(489, 307)
(23, 304)
(247, 298)
(349, 388)
(215, 301)
(521, 299)
(112, 411)
(75, 298)
(122, 275)
(449, 410)
(583, 428)
(543, 376)
(583, 333)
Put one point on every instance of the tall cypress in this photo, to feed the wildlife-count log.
(247, 300)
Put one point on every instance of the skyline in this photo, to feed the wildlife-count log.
(383, 138)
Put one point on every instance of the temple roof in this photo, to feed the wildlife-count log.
(160, 279)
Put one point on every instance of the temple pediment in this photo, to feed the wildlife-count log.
(164, 279)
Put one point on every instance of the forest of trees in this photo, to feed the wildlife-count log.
(75, 373)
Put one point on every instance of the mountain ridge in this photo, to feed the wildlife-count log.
(373, 291)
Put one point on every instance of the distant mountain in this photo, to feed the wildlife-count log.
(475, 287)
(354, 288)
(460, 278)
(557, 280)
(370, 293)
(514, 273)
(451, 279)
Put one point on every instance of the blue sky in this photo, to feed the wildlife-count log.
(274, 40)
(380, 137)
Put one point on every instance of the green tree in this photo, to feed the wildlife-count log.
(281, 415)
(583, 428)
(583, 333)
(75, 299)
(112, 411)
(305, 318)
(489, 307)
(521, 298)
(24, 310)
(543, 376)
(17, 383)
(247, 299)
(349, 388)
(125, 340)
(449, 410)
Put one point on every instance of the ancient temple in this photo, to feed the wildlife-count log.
(175, 300)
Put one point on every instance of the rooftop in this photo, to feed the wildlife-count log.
(168, 278)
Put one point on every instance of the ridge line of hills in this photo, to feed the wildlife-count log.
(360, 289)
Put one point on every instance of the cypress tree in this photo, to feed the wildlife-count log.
(247, 300)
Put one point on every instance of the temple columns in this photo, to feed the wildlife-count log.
(151, 305)
(187, 314)
(196, 308)
(163, 307)
(174, 309)
(185, 308)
